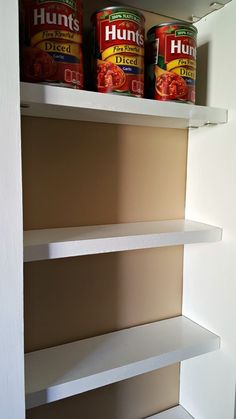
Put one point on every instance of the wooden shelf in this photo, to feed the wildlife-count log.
(177, 412)
(63, 103)
(78, 241)
(181, 9)
(63, 371)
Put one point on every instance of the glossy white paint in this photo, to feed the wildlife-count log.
(55, 373)
(208, 385)
(66, 242)
(54, 102)
(11, 230)
(177, 412)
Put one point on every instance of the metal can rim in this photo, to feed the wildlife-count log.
(179, 22)
(130, 9)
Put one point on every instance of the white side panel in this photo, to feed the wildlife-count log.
(11, 244)
(208, 385)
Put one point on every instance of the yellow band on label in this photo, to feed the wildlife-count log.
(55, 35)
(60, 48)
(185, 72)
(181, 63)
(122, 49)
(127, 60)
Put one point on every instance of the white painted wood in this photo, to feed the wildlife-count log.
(76, 241)
(11, 230)
(63, 103)
(177, 412)
(208, 386)
(181, 9)
(59, 372)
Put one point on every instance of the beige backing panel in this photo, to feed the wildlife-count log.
(71, 299)
(79, 173)
(131, 399)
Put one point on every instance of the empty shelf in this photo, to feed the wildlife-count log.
(63, 371)
(68, 242)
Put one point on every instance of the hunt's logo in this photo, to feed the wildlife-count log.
(180, 47)
(42, 17)
(113, 33)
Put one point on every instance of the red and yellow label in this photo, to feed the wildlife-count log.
(172, 62)
(52, 48)
(119, 46)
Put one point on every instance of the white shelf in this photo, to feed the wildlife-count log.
(181, 9)
(63, 371)
(177, 412)
(63, 103)
(78, 241)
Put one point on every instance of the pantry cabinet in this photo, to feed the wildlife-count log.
(127, 279)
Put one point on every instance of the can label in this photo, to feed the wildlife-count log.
(172, 62)
(52, 42)
(119, 51)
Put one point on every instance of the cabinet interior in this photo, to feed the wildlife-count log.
(79, 173)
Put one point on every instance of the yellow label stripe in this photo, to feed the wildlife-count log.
(61, 48)
(122, 49)
(56, 35)
(181, 63)
(127, 60)
(185, 72)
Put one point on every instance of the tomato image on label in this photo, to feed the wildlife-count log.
(38, 65)
(171, 86)
(110, 76)
(172, 62)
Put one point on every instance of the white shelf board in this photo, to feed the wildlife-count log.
(63, 371)
(178, 9)
(63, 103)
(177, 412)
(78, 241)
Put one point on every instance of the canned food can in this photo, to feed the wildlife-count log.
(119, 51)
(172, 51)
(51, 47)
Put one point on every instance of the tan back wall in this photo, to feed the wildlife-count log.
(78, 173)
(81, 173)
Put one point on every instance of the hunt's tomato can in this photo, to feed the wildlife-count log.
(119, 51)
(171, 73)
(51, 47)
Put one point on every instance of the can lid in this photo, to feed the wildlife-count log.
(119, 8)
(178, 23)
